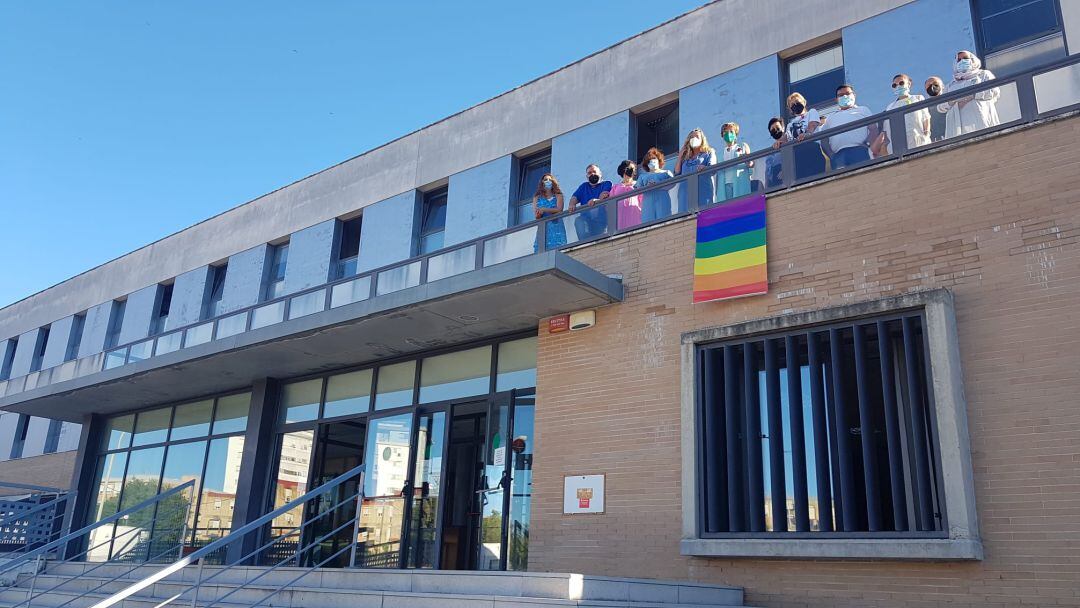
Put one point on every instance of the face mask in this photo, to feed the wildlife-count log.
(547, 184)
(776, 133)
(729, 137)
(934, 90)
(695, 142)
(797, 108)
(594, 179)
(628, 172)
(902, 91)
(964, 65)
(654, 165)
(846, 101)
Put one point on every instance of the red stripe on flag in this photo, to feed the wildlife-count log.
(750, 289)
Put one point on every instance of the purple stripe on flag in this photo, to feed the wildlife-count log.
(730, 211)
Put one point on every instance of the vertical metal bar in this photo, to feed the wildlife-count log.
(778, 492)
(693, 190)
(611, 213)
(756, 492)
(866, 432)
(480, 245)
(356, 520)
(713, 443)
(787, 165)
(424, 269)
(1026, 97)
(892, 429)
(821, 437)
(798, 434)
(198, 585)
(735, 495)
(843, 439)
(897, 131)
(923, 506)
(541, 234)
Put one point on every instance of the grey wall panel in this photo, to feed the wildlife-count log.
(748, 95)
(1070, 16)
(896, 42)
(386, 235)
(605, 142)
(69, 437)
(95, 329)
(189, 294)
(59, 334)
(36, 432)
(24, 353)
(244, 279)
(138, 314)
(310, 252)
(478, 201)
(8, 423)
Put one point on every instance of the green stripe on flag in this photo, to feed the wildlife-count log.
(735, 242)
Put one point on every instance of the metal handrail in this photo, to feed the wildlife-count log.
(255, 526)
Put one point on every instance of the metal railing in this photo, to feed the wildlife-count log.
(328, 532)
(147, 532)
(33, 516)
(1032, 96)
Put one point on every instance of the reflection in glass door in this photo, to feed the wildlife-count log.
(424, 512)
(339, 450)
(521, 454)
(492, 488)
(386, 484)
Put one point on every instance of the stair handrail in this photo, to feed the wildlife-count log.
(254, 526)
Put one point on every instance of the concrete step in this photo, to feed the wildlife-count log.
(532, 585)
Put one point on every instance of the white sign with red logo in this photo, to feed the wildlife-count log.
(583, 494)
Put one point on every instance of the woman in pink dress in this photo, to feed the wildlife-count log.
(629, 212)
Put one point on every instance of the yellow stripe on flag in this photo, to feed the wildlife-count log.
(730, 261)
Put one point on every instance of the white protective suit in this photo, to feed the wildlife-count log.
(978, 113)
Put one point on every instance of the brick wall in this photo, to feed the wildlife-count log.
(997, 222)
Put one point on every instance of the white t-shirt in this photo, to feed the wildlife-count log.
(852, 138)
(800, 124)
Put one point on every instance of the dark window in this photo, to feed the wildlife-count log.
(78, 323)
(348, 247)
(530, 171)
(52, 438)
(658, 128)
(21, 428)
(161, 315)
(816, 75)
(9, 358)
(823, 430)
(216, 291)
(275, 277)
(433, 220)
(39, 349)
(1006, 23)
(116, 321)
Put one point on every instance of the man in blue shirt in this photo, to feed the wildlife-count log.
(590, 193)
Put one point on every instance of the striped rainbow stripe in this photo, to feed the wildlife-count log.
(730, 257)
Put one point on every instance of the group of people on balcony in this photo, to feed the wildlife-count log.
(845, 148)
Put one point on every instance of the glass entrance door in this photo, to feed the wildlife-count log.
(386, 484)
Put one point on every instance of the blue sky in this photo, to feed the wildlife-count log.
(123, 122)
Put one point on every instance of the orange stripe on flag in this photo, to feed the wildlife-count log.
(734, 292)
(732, 278)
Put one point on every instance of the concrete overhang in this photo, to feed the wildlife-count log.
(508, 297)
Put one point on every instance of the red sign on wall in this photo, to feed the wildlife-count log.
(559, 324)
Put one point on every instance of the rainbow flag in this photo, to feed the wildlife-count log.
(730, 257)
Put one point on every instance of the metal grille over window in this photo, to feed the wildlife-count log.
(826, 430)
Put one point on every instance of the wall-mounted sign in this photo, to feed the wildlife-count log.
(583, 494)
(559, 324)
(729, 261)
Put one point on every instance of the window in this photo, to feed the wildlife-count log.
(21, 428)
(348, 247)
(116, 321)
(9, 358)
(828, 430)
(39, 348)
(530, 170)
(816, 75)
(275, 277)
(78, 323)
(433, 220)
(658, 128)
(216, 283)
(1002, 24)
(52, 438)
(161, 313)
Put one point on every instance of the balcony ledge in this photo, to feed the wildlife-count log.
(919, 549)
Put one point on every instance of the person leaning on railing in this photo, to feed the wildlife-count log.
(773, 164)
(934, 87)
(591, 192)
(734, 181)
(548, 200)
(629, 209)
(655, 204)
(916, 124)
(974, 112)
(852, 146)
(694, 156)
(809, 159)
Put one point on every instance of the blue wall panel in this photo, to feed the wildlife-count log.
(478, 201)
(244, 279)
(386, 235)
(138, 314)
(748, 95)
(59, 334)
(310, 251)
(605, 142)
(95, 329)
(24, 353)
(189, 294)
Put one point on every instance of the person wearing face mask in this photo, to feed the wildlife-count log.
(809, 160)
(974, 112)
(773, 164)
(590, 193)
(694, 156)
(935, 87)
(629, 209)
(852, 146)
(655, 204)
(548, 200)
(735, 180)
(916, 124)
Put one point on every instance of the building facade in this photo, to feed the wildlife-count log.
(892, 423)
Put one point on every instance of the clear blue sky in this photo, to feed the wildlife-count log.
(123, 122)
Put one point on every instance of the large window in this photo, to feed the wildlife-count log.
(827, 430)
(161, 310)
(78, 323)
(9, 358)
(1007, 23)
(116, 322)
(215, 291)
(348, 247)
(816, 75)
(658, 128)
(278, 258)
(530, 170)
(155, 450)
(433, 220)
(39, 348)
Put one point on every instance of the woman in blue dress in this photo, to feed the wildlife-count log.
(548, 200)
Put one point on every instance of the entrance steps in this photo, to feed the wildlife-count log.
(356, 588)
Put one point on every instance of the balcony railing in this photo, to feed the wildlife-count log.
(1025, 98)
